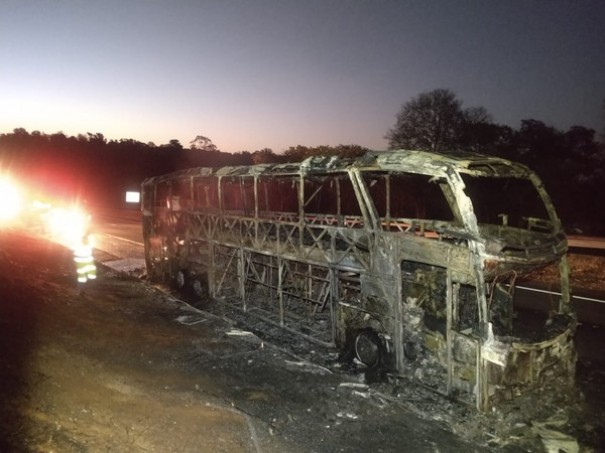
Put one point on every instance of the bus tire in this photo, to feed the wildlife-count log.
(179, 279)
(198, 287)
(368, 348)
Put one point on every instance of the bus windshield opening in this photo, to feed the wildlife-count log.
(506, 201)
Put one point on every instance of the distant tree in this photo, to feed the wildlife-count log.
(603, 118)
(583, 164)
(478, 133)
(430, 121)
(503, 141)
(584, 155)
(580, 140)
(299, 153)
(59, 140)
(97, 138)
(202, 143)
(20, 132)
(351, 150)
(265, 156)
(537, 141)
(476, 115)
(174, 144)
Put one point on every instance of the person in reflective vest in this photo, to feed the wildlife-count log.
(85, 265)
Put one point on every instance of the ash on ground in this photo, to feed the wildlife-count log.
(560, 418)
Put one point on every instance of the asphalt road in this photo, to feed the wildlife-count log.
(585, 242)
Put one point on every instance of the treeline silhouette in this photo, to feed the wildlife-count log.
(571, 164)
(90, 167)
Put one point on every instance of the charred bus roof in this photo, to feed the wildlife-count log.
(397, 160)
(438, 164)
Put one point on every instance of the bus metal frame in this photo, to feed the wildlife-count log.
(350, 274)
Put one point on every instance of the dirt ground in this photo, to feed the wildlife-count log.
(71, 380)
(125, 367)
(587, 272)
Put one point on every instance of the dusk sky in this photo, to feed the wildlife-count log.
(279, 73)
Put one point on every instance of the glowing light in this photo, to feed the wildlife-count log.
(40, 205)
(68, 226)
(133, 197)
(11, 200)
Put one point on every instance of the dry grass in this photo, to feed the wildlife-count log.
(586, 272)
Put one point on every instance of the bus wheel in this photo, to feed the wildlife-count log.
(198, 287)
(179, 279)
(368, 348)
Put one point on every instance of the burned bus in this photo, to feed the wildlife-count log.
(411, 257)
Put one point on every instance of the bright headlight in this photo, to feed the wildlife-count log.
(11, 199)
(68, 226)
